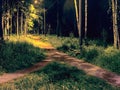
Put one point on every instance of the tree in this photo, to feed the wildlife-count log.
(115, 24)
(58, 27)
(79, 20)
(86, 16)
(1, 31)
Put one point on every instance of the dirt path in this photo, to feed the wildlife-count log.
(7, 77)
(54, 55)
(90, 69)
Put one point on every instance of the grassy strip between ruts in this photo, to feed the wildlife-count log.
(95, 53)
(56, 76)
(18, 55)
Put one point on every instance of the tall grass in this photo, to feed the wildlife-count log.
(56, 76)
(18, 55)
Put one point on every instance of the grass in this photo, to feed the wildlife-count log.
(17, 55)
(95, 53)
(56, 76)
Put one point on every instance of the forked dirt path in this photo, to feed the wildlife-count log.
(54, 55)
(90, 69)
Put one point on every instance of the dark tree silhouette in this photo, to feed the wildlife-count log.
(1, 31)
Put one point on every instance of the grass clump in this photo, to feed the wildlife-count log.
(19, 55)
(56, 76)
(109, 59)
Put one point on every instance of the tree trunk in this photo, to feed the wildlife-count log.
(25, 27)
(8, 23)
(1, 31)
(115, 27)
(17, 27)
(44, 22)
(116, 23)
(58, 22)
(11, 23)
(86, 17)
(21, 29)
(79, 20)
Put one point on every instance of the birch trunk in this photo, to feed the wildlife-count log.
(79, 20)
(115, 24)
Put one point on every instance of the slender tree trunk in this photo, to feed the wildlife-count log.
(58, 22)
(44, 23)
(1, 31)
(25, 26)
(11, 23)
(8, 19)
(3, 24)
(21, 29)
(8, 23)
(115, 24)
(79, 20)
(17, 27)
(86, 18)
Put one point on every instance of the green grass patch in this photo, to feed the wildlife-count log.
(56, 76)
(18, 55)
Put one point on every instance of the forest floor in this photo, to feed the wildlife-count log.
(54, 55)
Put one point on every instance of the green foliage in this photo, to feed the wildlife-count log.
(69, 44)
(32, 15)
(56, 76)
(109, 59)
(90, 53)
(15, 56)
